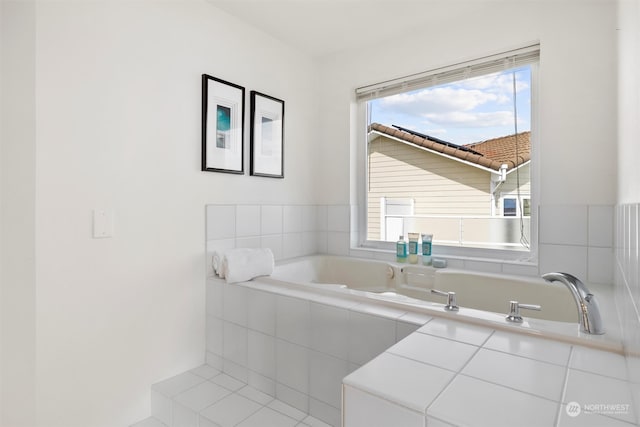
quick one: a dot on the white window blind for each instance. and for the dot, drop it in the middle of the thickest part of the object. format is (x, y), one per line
(464, 70)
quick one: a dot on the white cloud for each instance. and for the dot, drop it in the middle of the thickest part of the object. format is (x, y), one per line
(438, 100)
(471, 119)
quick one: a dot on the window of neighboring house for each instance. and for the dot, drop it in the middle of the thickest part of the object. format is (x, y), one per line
(452, 141)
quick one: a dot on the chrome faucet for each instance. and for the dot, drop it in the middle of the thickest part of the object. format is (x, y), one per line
(588, 311)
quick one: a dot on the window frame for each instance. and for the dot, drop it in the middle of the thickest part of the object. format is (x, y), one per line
(360, 240)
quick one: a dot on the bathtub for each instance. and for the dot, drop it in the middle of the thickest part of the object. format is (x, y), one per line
(483, 298)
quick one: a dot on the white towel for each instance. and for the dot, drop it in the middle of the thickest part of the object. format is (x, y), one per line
(216, 263)
(242, 264)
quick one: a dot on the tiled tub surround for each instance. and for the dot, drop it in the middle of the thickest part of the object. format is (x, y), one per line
(297, 345)
(454, 374)
(627, 287)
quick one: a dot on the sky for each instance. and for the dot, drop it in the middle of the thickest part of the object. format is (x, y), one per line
(463, 112)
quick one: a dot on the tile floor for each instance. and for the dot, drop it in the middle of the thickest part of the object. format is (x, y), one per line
(205, 397)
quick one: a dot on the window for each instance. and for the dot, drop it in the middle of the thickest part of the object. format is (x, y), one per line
(452, 141)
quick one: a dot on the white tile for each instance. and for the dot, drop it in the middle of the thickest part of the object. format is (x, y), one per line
(322, 242)
(271, 222)
(273, 242)
(482, 266)
(247, 220)
(468, 401)
(261, 311)
(309, 218)
(441, 352)
(586, 389)
(183, 416)
(221, 222)
(404, 329)
(531, 347)
(235, 370)
(330, 330)
(462, 332)
(255, 395)
(235, 343)
(293, 318)
(598, 362)
(199, 397)
(601, 226)
(365, 410)
(177, 384)
(205, 371)
(411, 384)
(292, 219)
(288, 410)
(219, 245)
(214, 298)
(527, 375)
(516, 269)
(292, 245)
(324, 412)
(161, 407)
(369, 336)
(249, 242)
(600, 265)
(567, 259)
(338, 217)
(292, 365)
(587, 419)
(262, 354)
(214, 360)
(291, 397)
(231, 410)
(338, 243)
(262, 383)
(379, 310)
(228, 382)
(322, 217)
(215, 335)
(267, 417)
(325, 378)
(419, 319)
(309, 242)
(235, 304)
(563, 224)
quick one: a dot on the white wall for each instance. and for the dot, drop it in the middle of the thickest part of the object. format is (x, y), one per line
(117, 126)
(628, 102)
(577, 87)
(17, 210)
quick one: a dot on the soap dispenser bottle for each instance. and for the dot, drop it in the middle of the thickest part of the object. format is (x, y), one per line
(401, 249)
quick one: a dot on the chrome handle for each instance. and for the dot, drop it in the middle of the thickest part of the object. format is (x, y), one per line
(452, 304)
(514, 310)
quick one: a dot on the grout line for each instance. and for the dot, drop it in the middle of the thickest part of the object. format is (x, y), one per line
(564, 388)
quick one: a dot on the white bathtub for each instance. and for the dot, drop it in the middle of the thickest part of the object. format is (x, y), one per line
(483, 297)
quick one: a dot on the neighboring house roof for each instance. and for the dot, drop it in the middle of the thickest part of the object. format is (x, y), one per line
(491, 154)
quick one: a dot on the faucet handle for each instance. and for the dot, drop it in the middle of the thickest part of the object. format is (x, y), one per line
(452, 304)
(514, 310)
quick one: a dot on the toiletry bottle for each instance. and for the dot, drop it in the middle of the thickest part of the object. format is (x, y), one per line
(401, 250)
(413, 247)
(426, 248)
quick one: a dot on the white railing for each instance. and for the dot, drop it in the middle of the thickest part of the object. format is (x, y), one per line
(472, 231)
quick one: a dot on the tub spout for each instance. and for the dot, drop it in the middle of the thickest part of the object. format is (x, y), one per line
(586, 302)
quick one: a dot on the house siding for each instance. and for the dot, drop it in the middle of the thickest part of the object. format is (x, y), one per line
(438, 185)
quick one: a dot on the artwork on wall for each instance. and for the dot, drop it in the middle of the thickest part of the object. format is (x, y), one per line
(222, 126)
(267, 135)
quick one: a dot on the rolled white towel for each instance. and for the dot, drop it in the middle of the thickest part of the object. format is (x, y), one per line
(242, 264)
(216, 263)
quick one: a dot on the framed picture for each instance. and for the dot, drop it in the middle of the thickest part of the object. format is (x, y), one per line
(222, 126)
(267, 135)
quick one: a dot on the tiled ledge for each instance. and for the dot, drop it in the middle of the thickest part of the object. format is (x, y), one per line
(206, 397)
(449, 373)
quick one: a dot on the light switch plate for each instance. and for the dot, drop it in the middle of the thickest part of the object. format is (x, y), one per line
(102, 223)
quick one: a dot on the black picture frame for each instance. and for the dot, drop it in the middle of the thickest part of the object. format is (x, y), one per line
(222, 126)
(267, 135)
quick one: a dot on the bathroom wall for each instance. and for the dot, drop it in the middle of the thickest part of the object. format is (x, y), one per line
(576, 119)
(115, 125)
(17, 210)
(627, 239)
